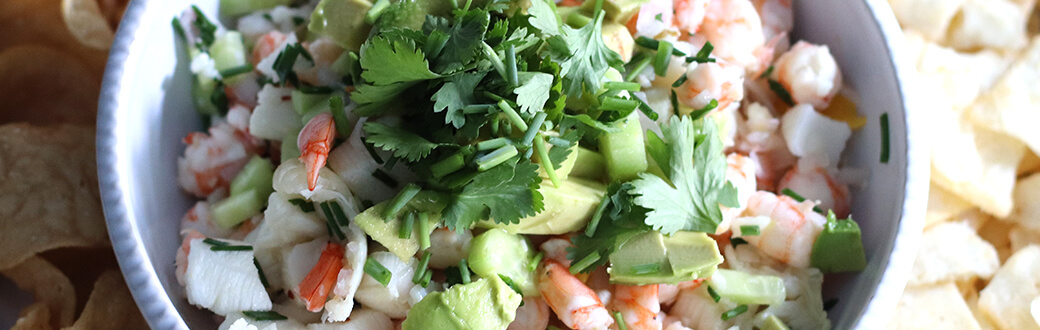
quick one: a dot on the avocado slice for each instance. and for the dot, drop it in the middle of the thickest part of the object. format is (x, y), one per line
(411, 14)
(619, 11)
(654, 258)
(497, 252)
(343, 21)
(839, 248)
(589, 165)
(386, 232)
(488, 303)
(567, 208)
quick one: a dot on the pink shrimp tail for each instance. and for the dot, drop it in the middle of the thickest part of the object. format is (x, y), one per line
(315, 141)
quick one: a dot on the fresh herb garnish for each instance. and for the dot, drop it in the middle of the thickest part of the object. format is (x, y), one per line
(734, 312)
(304, 205)
(750, 230)
(377, 271)
(264, 315)
(260, 272)
(781, 92)
(885, 138)
(714, 295)
(620, 319)
(798, 198)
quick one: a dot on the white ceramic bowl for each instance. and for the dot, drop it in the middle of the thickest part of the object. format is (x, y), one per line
(145, 111)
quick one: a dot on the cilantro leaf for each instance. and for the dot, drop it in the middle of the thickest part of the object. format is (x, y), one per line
(505, 193)
(455, 95)
(464, 41)
(402, 143)
(543, 17)
(373, 99)
(533, 91)
(622, 219)
(697, 167)
(583, 69)
(389, 60)
(559, 153)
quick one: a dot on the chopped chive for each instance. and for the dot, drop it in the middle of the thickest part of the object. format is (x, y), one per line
(536, 125)
(714, 295)
(734, 312)
(680, 81)
(476, 108)
(407, 227)
(384, 177)
(767, 73)
(736, 241)
(558, 142)
(339, 116)
(264, 315)
(659, 18)
(372, 152)
(426, 278)
(234, 71)
(531, 266)
(663, 58)
(649, 112)
(699, 113)
(399, 201)
(377, 271)
(511, 75)
(297, 21)
(620, 319)
(179, 29)
(421, 270)
(330, 218)
(214, 242)
(750, 230)
(638, 68)
(496, 157)
(646, 269)
(690, 59)
(334, 230)
(596, 217)
(496, 61)
(389, 165)
(508, 280)
(424, 231)
(260, 272)
(652, 44)
(377, 9)
(781, 92)
(337, 210)
(675, 101)
(585, 262)
(622, 85)
(513, 116)
(618, 104)
(463, 270)
(543, 155)
(798, 198)
(231, 248)
(705, 51)
(448, 165)
(308, 89)
(884, 138)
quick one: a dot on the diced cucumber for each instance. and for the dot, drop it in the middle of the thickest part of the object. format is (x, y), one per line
(255, 176)
(624, 151)
(228, 51)
(233, 210)
(589, 165)
(305, 103)
(202, 90)
(234, 8)
(744, 288)
(498, 252)
(773, 323)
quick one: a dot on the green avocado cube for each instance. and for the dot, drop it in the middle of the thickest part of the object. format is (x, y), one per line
(371, 221)
(839, 248)
(488, 303)
(651, 258)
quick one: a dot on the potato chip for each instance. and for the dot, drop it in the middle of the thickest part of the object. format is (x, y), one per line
(943, 205)
(1013, 104)
(984, 322)
(996, 232)
(110, 306)
(981, 24)
(1027, 209)
(930, 307)
(956, 77)
(46, 87)
(974, 163)
(1034, 308)
(39, 22)
(35, 317)
(1007, 298)
(87, 23)
(1020, 238)
(1030, 164)
(952, 252)
(930, 18)
(50, 197)
(48, 285)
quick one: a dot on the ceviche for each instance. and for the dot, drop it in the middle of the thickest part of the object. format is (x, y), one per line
(520, 164)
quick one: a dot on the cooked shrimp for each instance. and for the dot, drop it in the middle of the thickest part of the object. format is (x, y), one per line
(448, 247)
(315, 141)
(740, 171)
(315, 288)
(182, 253)
(639, 305)
(721, 81)
(689, 14)
(575, 304)
(759, 137)
(267, 45)
(533, 314)
(556, 249)
(810, 74)
(212, 160)
(777, 21)
(324, 51)
(735, 29)
(791, 231)
(817, 183)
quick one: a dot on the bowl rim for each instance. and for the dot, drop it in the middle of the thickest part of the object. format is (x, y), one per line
(160, 312)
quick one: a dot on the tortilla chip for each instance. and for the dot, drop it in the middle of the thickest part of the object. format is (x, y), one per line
(1027, 203)
(996, 232)
(83, 266)
(87, 23)
(1019, 238)
(48, 285)
(1013, 104)
(1007, 298)
(1030, 163)
(974, 163)
(952, 252)
(937, 306)
(47, 86)
(40, 22)
(35, 317)
(943, 205)
(50, 198)
(110, 306)
(955, 77)
(999, 24)
(930, 18)
(984, 322)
